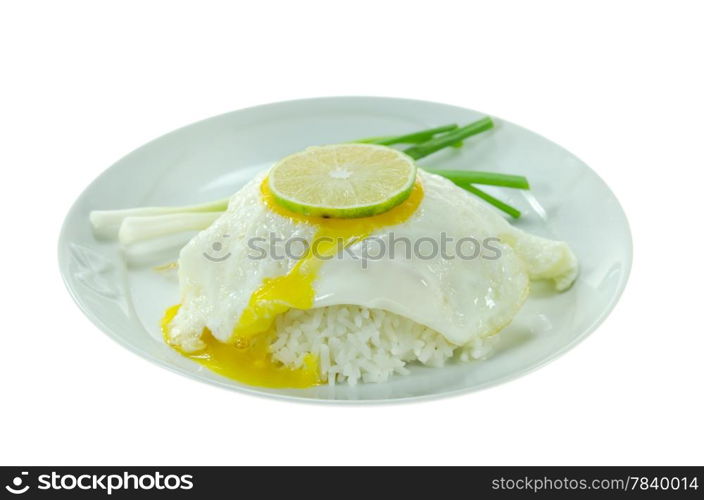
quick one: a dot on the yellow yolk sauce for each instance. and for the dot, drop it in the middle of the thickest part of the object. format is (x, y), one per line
(246, 357)
(252, 366)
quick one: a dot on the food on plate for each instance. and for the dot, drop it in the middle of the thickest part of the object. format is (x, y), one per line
(347, 263)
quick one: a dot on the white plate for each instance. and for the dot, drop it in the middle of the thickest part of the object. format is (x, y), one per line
(213, 158)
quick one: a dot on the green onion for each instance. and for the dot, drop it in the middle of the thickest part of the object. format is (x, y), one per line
(373, 140)
(488, 178)
(412, 138)
(505, 207)
(134, 229)
(426, 148)
(107, 222)
(417, 137)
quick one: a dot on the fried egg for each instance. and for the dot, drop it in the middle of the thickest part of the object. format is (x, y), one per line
(442, 258)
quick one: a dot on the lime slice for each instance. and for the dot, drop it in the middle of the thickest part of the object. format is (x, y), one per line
(343, 180)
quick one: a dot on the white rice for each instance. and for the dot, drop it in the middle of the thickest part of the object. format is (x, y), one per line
(356, 344)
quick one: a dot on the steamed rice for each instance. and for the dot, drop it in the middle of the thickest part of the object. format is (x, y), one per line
(358, 344)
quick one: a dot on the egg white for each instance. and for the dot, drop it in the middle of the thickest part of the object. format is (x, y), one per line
(462, 299)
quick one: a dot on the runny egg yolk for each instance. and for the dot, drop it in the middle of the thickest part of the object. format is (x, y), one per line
(246, 357)
(252, 366)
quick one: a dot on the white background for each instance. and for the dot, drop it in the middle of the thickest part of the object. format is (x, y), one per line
(617, 83)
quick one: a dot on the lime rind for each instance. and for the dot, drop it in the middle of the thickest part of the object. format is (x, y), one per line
(344, 213)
